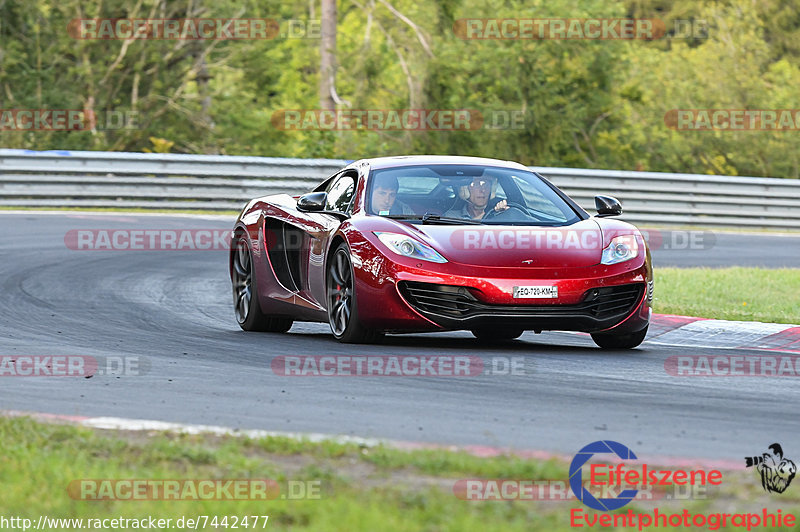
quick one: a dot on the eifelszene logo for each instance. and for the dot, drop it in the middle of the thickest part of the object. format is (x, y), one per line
(621, 476)
(776, 471)
(576, 478)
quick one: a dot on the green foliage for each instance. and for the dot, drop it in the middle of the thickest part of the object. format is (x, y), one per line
(579, 103)
(745, 294)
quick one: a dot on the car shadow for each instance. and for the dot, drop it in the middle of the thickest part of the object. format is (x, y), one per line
(528, 344)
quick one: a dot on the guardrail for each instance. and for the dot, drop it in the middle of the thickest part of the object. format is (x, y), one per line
(218, 182)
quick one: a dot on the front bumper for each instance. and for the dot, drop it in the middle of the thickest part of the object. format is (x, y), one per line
(398, 297)
(457, 307)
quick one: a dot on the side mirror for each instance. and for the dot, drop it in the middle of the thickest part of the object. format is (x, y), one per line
(607, 206)
(312, 202)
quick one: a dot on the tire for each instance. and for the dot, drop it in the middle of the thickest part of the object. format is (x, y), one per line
(497, 334)
(245, 301)
(619, 341)
(341, 300)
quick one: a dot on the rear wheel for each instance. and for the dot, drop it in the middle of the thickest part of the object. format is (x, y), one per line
(245, 298)
(619, 341)
(342, 307)
(497, 334)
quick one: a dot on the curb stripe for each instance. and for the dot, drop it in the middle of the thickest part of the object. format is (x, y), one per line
(480, 451)
(708, 333)
(787, 340)
(664, 323)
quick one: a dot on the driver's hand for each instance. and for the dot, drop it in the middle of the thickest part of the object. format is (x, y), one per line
(501, 206)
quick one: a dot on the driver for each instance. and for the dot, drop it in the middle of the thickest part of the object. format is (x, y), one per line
(479, 193)
(384, 196)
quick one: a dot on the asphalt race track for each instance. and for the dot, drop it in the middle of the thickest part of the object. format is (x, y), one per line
(173, 310)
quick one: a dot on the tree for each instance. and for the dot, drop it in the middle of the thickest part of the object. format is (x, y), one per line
(327, 56)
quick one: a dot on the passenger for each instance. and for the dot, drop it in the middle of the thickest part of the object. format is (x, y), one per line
(384, 196)
(478, 193)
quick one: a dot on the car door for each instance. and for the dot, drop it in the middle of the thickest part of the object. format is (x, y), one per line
(319, 228)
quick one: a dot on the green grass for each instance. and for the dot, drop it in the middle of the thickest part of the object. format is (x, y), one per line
(375, 488)
(748, 294)
(438, 462)
(362, 488)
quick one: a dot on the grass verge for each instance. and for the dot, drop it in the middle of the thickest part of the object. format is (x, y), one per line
(375, 488)
(747, 294)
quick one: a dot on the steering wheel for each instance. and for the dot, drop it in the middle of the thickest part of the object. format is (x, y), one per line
(511, 205)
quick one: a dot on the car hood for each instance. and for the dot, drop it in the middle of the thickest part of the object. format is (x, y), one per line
(577, 245)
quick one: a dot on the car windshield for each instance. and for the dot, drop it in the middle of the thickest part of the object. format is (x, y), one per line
(440, 193)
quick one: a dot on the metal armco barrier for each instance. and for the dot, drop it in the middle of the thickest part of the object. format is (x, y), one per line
(219, 182)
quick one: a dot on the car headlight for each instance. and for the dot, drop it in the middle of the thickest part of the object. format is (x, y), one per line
(409, 247)
(620, 249)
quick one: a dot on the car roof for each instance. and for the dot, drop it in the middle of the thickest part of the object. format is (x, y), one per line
(413, 160)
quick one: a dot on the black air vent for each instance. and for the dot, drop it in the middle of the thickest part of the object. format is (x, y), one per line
(458, 302)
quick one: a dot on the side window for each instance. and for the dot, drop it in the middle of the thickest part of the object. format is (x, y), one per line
(340, 193)
(536, 200)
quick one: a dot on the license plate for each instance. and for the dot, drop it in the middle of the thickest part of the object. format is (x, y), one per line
(535, 292)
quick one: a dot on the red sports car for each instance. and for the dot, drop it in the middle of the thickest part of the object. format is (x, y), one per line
(434, 243)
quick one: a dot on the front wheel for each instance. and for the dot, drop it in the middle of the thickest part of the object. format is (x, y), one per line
(342, 307)
(619, 341)
(245, 294)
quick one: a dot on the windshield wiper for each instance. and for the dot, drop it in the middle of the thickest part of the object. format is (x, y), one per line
(429, 218)
(402, 216)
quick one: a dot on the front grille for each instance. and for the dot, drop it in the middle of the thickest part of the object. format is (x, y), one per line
(458, 302)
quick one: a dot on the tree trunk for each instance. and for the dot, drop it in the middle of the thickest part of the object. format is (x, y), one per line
(327, 55)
